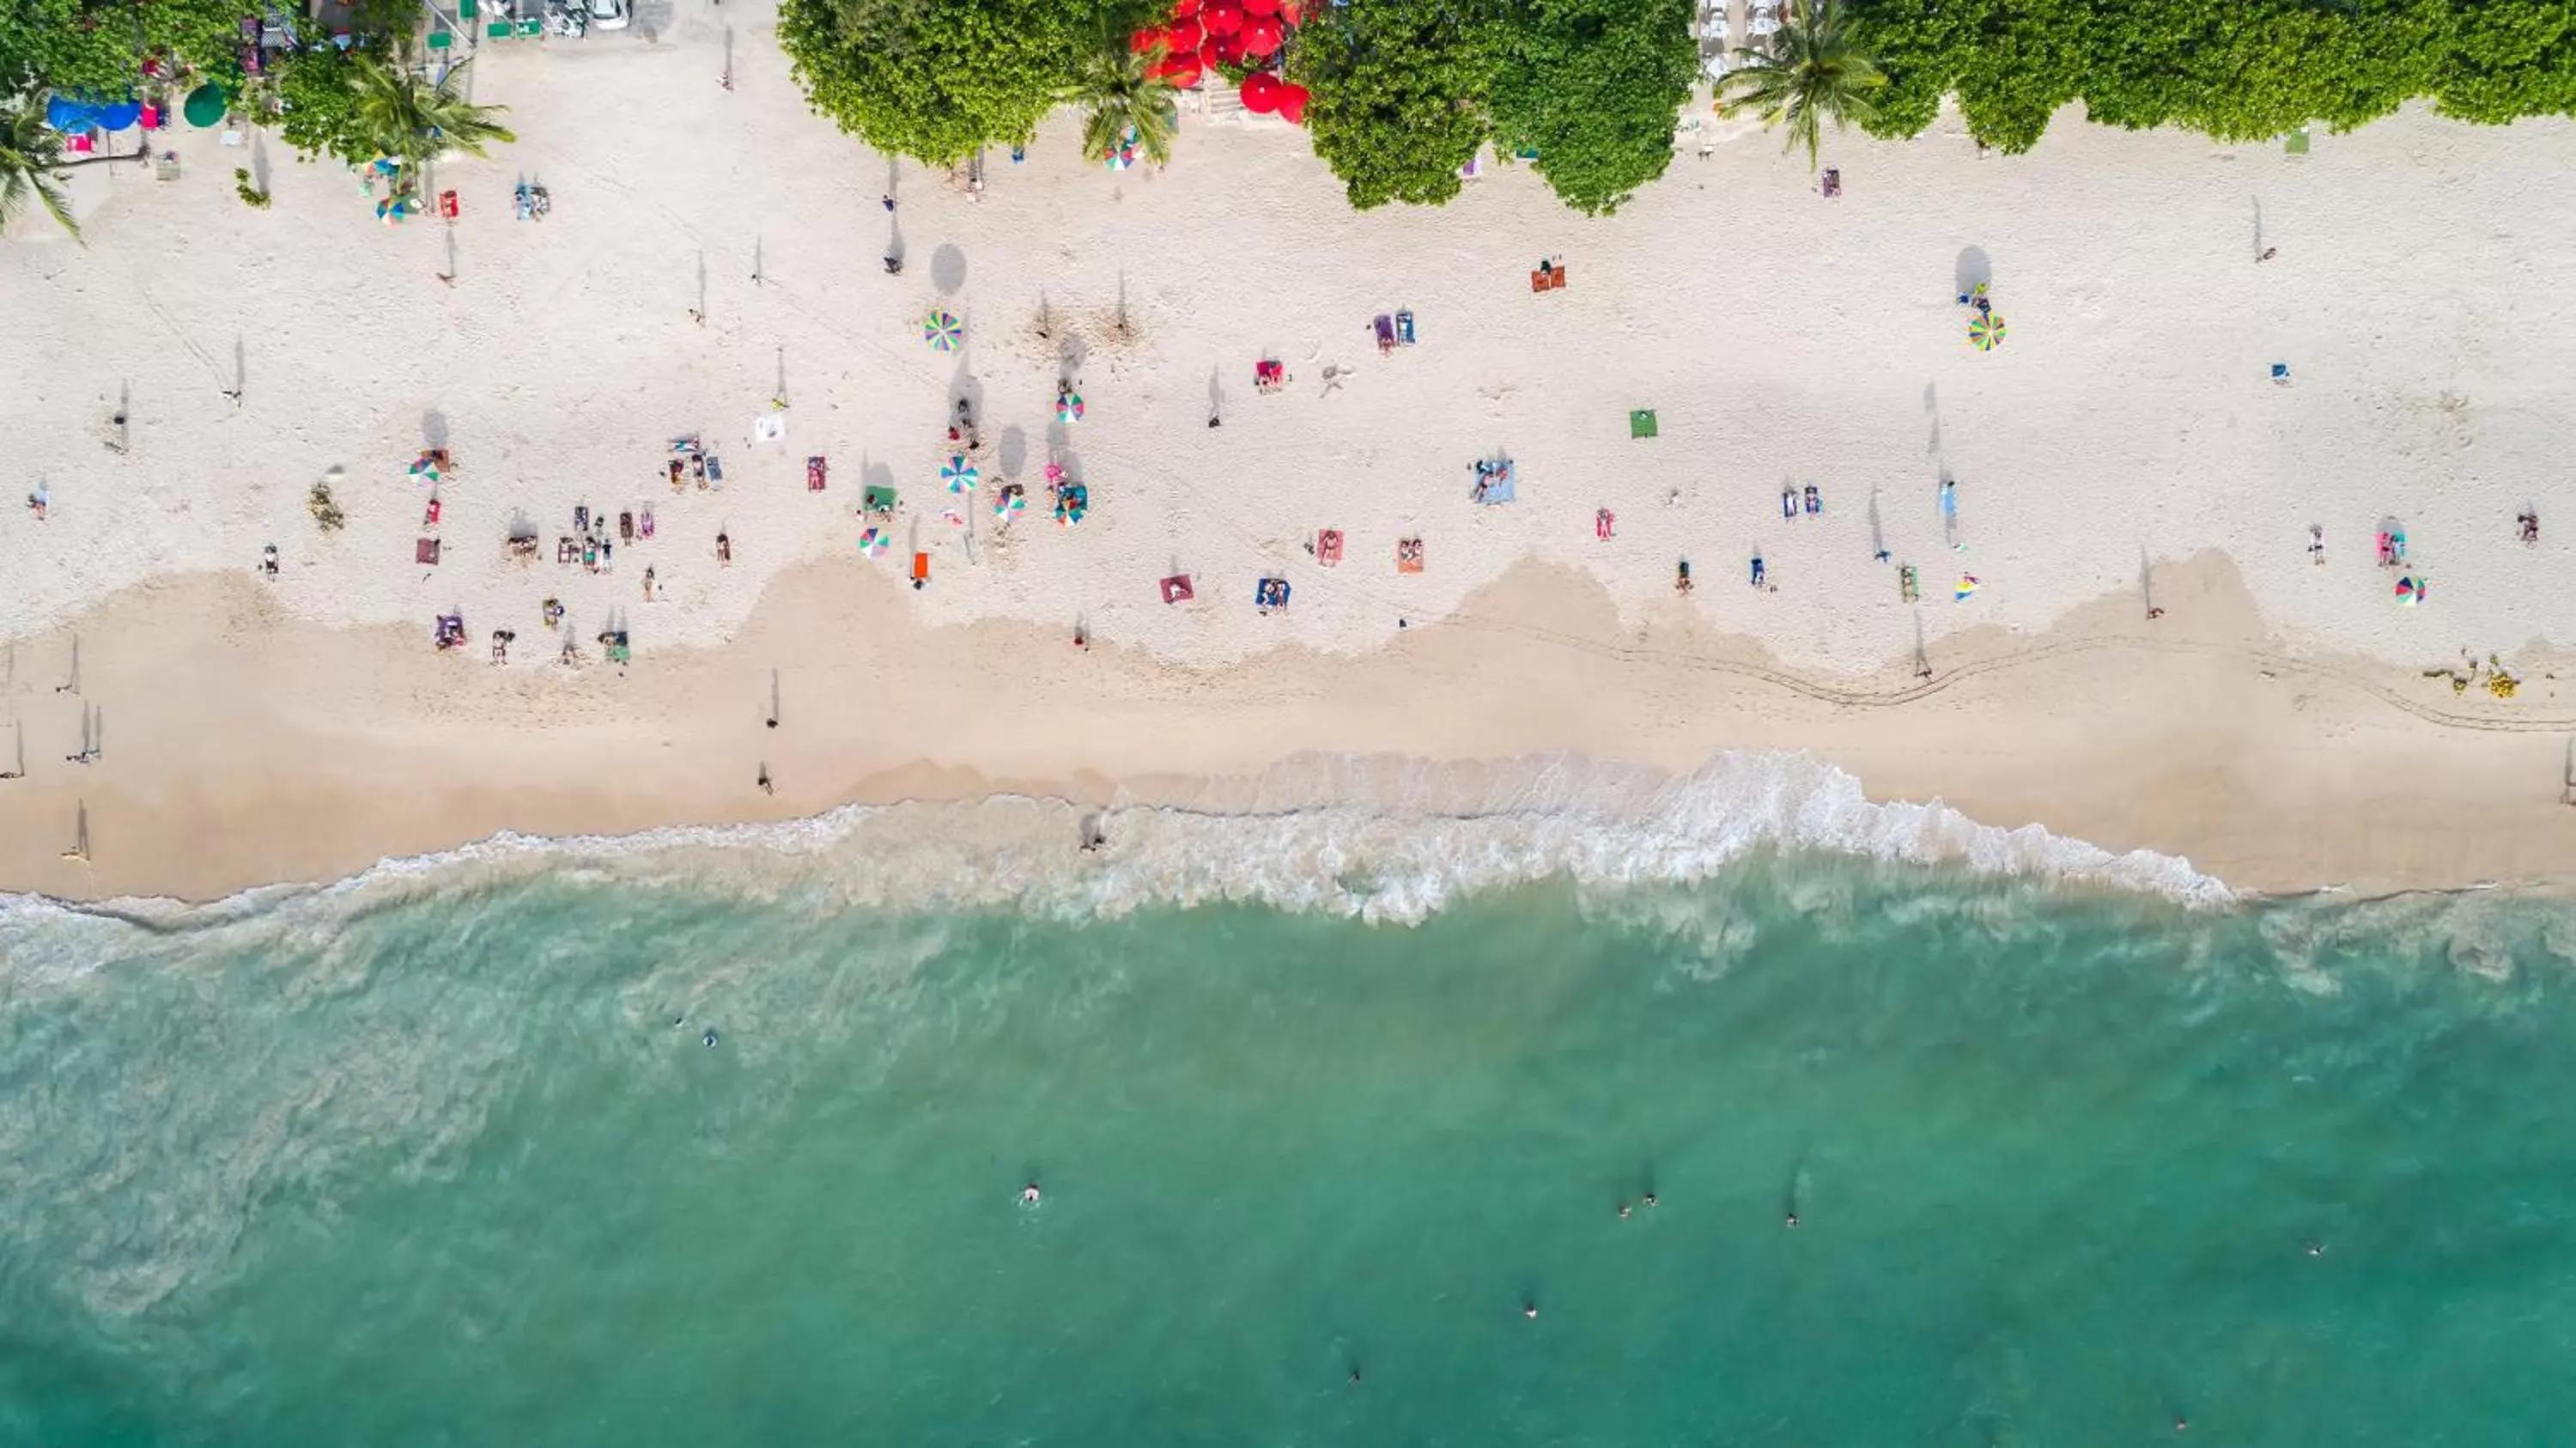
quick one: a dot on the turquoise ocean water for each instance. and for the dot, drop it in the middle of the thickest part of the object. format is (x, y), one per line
(428, 1161)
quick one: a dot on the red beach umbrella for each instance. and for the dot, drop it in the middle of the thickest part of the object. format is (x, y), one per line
(1210, 52)
(1184, 35)
(1144, 40)
(1182, 72)
(1261, 35)
(1261, 93)
(1260, 7)
(1292, 103)
(1183, 9)
(1226, 49)
(1222, 19)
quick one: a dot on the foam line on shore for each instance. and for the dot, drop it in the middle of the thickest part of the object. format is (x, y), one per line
(1380, 838)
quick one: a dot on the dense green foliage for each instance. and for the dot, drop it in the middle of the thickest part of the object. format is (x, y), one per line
(30, 158)
(69, 46)
(939, 80)
(2239, 70)
(1399, 90)
(1593, 87)
(317, 92)
(1120, 97)
(1812, 72)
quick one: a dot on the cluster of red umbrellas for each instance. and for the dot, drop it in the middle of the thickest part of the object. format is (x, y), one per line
(1204, 34)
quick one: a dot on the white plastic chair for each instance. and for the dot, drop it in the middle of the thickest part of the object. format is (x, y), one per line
(1763, 24)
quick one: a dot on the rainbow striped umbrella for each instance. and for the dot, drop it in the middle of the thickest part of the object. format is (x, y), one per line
(1986, 330)
(959, 474)
(943, 331)
(874, 541)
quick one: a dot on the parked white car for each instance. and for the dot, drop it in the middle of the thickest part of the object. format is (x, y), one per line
(608, 14)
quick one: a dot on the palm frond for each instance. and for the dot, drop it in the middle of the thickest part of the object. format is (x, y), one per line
(1814, 71)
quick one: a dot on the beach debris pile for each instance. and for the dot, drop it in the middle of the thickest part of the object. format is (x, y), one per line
(2490, 675)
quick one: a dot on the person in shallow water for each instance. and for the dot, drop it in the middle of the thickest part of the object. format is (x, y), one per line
(1029, 1194)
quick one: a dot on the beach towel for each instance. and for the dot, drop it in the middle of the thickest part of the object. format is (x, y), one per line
(1176, 589)
(1328, 547)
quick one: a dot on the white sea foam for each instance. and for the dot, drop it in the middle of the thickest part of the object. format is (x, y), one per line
(1380, 838)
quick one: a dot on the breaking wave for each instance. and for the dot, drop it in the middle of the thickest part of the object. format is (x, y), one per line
(1380, 838)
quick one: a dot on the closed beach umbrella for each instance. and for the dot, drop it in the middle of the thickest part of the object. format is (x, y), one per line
(1222, 19)
(943, 331)
(1261, 35)
(1261, 92)
(959, 474)
(1987, 331)
(1292, 102)
(206, 105)
(873, 542)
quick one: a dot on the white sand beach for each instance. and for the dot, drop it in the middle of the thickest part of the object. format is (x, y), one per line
(2126, 448)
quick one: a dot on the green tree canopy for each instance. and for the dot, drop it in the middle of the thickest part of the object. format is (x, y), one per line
(1397, 94)
(2239, 70)
(938, 80)
(1594, 86)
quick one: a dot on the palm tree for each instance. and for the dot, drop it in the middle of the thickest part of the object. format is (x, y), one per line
(1118, 94)
(410, 120)
(1815, 71)
(31, 162)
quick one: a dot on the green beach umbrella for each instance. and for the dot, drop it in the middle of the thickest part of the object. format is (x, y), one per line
(206, 105)
(1987, 331)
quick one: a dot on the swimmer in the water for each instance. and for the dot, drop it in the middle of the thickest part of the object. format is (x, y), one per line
(710, 1036)
(1650, 1199)
(2316, 1249)
(1793, 1219)
(1530, 1311)
(1355, 1377)
(1623, 1211)
(2181, 1424)
(1029, 1194)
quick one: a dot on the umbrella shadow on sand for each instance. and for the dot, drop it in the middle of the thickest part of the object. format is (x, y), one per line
(1974, 271)
(948, 268)
(1014, 453)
